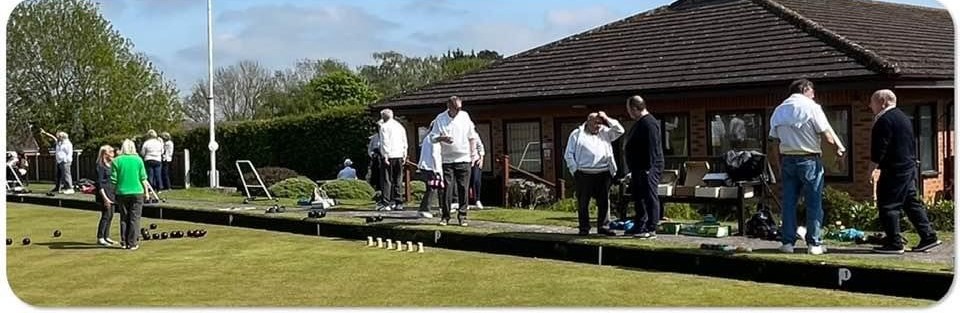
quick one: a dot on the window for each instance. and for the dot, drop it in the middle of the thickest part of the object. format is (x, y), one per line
(924, 128)
(735, 131)
(675, 130)
(483, 129)
(839, 118)
(523, 145)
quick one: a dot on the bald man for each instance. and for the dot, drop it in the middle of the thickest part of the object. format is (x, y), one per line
(893, 152)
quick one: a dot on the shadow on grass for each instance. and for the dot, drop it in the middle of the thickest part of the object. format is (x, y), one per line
(830, 250)
(73, 245)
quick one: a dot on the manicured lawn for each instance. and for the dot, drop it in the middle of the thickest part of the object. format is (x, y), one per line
(242, 267)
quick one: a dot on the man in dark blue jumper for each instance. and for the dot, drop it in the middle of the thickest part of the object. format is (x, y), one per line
(644, 158)
(893, 151)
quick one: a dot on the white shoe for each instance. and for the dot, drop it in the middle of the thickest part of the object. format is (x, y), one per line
(102, 242)
(425, 214)
(133, 248)
(479, 205)
(786, 248)
(68, 192)
(817, 250)
(110, 241)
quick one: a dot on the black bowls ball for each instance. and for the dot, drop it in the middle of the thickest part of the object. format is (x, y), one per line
(9, 241)
(155, 236)
(26, 241)
(57, 233)
(164, 235)
(153, 226)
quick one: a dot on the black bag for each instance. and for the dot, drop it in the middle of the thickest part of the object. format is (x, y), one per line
(762, 225)
(744, 165)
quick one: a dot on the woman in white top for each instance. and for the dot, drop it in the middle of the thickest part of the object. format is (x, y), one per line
(152, 151)
(167, 159)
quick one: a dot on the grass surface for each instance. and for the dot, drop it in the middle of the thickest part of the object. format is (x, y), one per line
(240, 267)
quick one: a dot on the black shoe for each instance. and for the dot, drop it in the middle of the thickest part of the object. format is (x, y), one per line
(607, 232)
(462, 218)
(583, 233)
(926, 245)
(888, 249)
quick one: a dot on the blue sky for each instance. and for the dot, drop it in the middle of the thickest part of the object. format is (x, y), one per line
(278, 32)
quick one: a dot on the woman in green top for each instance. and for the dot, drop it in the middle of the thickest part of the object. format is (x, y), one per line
(129, 178)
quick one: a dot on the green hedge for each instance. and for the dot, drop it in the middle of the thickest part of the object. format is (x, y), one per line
(312, 145)
(348, 189)
(294, 188)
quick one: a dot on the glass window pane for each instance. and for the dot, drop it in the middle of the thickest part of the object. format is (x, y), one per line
(735, 131)
(674, 135)
(484, 131)
(523, 146)
(840, 121)
(928, 147)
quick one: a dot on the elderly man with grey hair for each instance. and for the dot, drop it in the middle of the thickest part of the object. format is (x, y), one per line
(589, 158)
(393, 152)
(348, 172)
(64, 157)
(893, 150)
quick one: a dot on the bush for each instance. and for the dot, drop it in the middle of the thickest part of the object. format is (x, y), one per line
(348, 189)
(840, 206)
(529, 194)
(294, 188)
(271, 175)
(681, 211)
(417, 190)
(570, 205)
(941, 215)
(313, 145)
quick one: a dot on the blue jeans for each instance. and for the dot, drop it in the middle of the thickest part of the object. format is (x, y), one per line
(802, 174)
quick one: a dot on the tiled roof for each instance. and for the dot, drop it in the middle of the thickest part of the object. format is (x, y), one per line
(698, 43)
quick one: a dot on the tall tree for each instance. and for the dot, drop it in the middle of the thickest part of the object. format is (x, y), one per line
(239, 92)
(288, 92)
(396, 73)
(68, 69)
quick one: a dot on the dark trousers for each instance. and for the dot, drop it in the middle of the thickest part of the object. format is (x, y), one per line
(896, 191)
(391, 175)
(106, 218)
(457, 176)
(596, 186)
(130, 207)
(165, 176)
(376, 162)
(475, 183)
(153, 173)
(647, 203)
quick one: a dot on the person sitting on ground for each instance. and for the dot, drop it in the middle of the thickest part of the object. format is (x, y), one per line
(347, 173)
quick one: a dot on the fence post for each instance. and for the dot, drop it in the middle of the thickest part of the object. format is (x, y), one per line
(505, 167)
(561, 189)
(186, 168)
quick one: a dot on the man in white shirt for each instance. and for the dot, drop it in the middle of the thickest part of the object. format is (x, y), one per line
(799, 124)
(589, 158)
(393, 153)
(64, 157)
(347, 173)
(454, 130)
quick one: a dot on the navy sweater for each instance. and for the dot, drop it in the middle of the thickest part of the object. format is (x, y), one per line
(644, 150)
(892, 145)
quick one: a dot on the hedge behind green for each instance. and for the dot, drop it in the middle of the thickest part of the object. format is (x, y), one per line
(353, 189)
(312, 145)
(294, 188)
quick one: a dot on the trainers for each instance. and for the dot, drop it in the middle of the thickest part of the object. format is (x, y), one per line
(462, 219)
(425, 214)
(383, 207)
(444, 222)
(646, 235)
(102, 242)
(133, 248)
(816, 250)
(888, 249)
(926, 245)
(479, 205)
(123, 247)
(68, 192)
(110, 241)
(786, 248)
(397, 207)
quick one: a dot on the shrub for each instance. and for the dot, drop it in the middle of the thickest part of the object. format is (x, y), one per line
(348, 189)
(295, 188)
(681, 211)
(529, 194)
(417, 190)
(313, 145)
(570, 205)
(270, 177)
(840, 206)
(941, 215)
